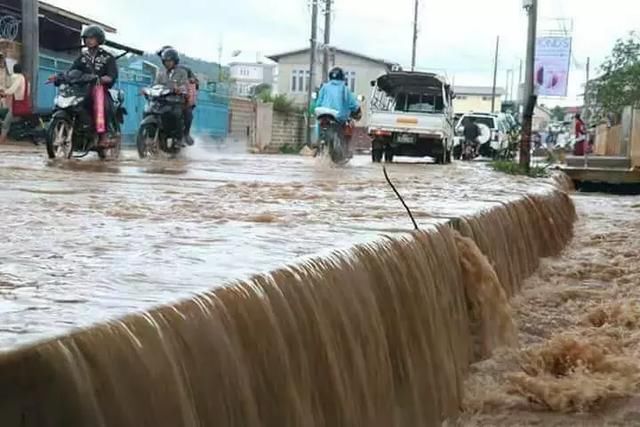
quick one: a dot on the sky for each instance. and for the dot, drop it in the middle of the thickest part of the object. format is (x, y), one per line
(457, 37)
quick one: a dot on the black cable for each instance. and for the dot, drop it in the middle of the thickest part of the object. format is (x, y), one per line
(393, 187)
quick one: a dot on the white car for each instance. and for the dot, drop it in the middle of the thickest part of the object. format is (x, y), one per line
(494, 133)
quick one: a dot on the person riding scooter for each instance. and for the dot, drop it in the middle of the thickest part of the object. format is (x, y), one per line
(194, 86)
(335, 95)
(175, 78)
(95, 60)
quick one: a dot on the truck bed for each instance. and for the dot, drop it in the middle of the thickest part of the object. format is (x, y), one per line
(428, 124)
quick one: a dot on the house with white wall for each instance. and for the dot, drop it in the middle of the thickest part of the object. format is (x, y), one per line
(247, 75)
(294, 71)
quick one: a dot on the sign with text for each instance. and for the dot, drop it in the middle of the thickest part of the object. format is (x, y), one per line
(553, 61)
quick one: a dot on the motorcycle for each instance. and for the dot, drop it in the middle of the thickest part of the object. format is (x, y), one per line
(334, 136)
(160, 129)
(71, 128)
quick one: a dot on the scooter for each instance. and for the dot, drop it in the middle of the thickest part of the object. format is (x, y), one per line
(71, 132)
(160, 129)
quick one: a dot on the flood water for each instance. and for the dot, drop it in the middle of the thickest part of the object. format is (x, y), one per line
(86, 241)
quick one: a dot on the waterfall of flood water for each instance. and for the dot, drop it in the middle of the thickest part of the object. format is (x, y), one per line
(380, 335)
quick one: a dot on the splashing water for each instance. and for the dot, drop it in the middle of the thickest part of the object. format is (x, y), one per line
(381, 334)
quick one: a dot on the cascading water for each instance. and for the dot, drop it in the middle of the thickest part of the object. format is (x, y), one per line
(380, 335)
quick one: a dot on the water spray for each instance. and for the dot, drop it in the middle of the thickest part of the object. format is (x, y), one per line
(393, 187)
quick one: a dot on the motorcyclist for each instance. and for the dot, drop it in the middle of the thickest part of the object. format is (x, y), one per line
(95, 60)
(335, 95)
(194, 86)
(177, 79)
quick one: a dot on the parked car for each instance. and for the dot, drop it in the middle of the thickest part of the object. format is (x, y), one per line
(494, 133)
(411, 114)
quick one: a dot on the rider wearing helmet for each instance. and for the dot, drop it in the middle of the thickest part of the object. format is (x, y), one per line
(95, 60)
(194, 86)
(336, 95)
(175, 78)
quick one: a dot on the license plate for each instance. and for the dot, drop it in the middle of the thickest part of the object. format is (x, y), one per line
(406, 138)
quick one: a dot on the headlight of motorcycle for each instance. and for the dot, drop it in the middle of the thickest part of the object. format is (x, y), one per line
(65, 102)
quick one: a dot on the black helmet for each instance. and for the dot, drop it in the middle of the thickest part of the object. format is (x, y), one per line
(94, 31)
(336, 73)
(162, 49)
(170, 54)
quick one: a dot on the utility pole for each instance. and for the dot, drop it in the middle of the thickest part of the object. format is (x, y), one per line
(31, 44)
(312, 64)
(586, 111)
(529, 89)
(495, 76)
(415, 36)
(327, 40)
(519, 95)
(507, 87)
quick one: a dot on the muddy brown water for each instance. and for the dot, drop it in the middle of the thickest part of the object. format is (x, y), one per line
(86, 241)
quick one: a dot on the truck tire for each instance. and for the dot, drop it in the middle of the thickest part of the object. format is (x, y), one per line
(376, 155)
(388, 154)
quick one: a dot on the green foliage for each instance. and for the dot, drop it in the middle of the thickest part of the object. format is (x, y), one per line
(557, 113)
(619, 85)
(281, 103)
(209, 69)
(513, 168)
(290, 149)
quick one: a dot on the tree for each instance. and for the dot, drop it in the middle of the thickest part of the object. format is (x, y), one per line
(557, 113)
(619, 84)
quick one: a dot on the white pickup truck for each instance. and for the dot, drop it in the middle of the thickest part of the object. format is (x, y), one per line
(411, 114)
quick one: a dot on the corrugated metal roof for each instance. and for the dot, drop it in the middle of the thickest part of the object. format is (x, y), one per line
(71, 15)
(276, 58)
(477, 90)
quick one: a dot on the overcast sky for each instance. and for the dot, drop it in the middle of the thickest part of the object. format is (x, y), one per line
(456, 36)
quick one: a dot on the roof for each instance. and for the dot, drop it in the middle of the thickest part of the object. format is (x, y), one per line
(74, 16)
(477, 90)
(251, 64)
(405, 81)
(278, 57)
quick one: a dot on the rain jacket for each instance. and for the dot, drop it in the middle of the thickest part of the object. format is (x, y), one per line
(336, 95)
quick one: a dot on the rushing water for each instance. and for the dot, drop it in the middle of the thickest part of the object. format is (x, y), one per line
(86, 241)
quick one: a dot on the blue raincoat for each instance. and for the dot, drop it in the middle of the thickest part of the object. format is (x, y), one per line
(336, 95)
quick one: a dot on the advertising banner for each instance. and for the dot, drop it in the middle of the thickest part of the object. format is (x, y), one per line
(553, 61)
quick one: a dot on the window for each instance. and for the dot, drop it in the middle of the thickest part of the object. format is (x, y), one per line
(351, 80)
(486, 98)
(300, 80)
(461, 97)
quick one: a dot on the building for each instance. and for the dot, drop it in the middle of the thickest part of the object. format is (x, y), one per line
(247, 75)
(476, 99)
(542, 117)
(293, 71)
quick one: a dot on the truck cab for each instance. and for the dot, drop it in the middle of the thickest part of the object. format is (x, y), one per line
(411, 115)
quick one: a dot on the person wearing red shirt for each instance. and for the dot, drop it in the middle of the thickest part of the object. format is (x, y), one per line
(581, 147)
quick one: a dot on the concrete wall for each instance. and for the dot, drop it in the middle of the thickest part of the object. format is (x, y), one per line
(288, 129)
(476, 103)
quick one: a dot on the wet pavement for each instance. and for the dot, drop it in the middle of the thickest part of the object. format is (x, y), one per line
(86, 241)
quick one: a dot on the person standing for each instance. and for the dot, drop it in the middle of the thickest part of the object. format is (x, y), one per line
(580, 148)
(17, 99)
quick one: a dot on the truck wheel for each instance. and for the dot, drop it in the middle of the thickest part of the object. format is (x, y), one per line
(388, 155)
(457, 152)
(376, 155)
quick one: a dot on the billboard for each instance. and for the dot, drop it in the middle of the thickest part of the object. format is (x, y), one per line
(553, 60)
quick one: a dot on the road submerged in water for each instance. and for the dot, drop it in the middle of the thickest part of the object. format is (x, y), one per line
(86, 241)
